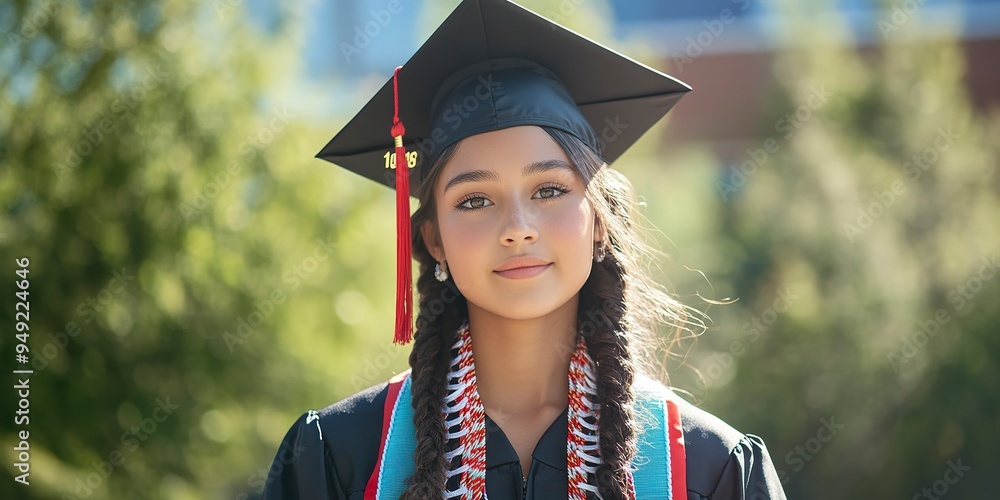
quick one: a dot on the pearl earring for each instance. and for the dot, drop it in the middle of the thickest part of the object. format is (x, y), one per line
(599, 252)
(441, 274)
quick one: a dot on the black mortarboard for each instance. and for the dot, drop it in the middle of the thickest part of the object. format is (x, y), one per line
(491, 65)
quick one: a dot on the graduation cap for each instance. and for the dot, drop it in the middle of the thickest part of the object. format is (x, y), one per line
(492, 65)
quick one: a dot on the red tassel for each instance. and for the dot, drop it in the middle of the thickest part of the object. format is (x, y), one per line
(404, 276)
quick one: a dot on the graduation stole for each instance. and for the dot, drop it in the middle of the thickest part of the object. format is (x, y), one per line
(658, 469)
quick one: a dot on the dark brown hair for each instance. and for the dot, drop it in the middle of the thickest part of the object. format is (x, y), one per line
(620, 311)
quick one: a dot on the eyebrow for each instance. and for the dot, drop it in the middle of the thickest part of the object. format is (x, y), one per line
(491, 175)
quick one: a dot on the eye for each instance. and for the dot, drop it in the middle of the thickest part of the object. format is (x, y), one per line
(552, 191)
(473, 202)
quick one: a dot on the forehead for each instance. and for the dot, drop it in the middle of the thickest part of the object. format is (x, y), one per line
(506, 151)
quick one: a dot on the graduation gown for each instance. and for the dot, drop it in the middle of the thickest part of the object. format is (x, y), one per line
(330, 454)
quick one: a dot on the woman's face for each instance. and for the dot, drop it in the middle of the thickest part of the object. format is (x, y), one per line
(512, 194)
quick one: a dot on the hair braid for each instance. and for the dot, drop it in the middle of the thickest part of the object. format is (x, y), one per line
(602, 316)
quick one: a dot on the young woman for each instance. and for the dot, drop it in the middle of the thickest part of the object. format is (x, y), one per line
(529, 375)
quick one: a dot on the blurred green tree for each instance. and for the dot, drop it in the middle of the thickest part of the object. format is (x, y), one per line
(196, 279)
(860, 237)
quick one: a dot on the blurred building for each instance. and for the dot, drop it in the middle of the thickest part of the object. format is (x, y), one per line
(709, 44)
(713, 43)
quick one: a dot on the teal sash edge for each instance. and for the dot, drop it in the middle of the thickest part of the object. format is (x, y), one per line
(401, 443)
(651, 467)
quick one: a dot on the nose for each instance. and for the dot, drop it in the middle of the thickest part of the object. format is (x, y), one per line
(519, 227)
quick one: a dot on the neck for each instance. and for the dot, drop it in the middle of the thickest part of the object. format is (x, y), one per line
(522, 365)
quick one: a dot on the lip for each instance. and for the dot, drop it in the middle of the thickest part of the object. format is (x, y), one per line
(522, 267)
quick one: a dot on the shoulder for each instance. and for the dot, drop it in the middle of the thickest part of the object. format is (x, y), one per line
(331, 451)
(352, 431)
(709, 443)
(713, 438)
(358, 409)
(722, 462)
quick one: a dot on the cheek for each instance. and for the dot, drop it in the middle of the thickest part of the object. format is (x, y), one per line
(465, 240)
(465, 248)
(573, 222)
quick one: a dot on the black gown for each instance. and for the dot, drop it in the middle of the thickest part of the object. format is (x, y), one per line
(333, 456)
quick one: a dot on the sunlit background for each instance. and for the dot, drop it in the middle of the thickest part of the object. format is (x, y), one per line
(197, 279)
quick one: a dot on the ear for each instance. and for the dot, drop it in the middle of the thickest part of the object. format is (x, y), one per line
(598, 230)
(433, 240)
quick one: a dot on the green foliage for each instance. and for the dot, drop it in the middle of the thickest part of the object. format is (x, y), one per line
(184, 248)
(863, 252)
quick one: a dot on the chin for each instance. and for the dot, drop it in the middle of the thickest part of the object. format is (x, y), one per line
(523, 307)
